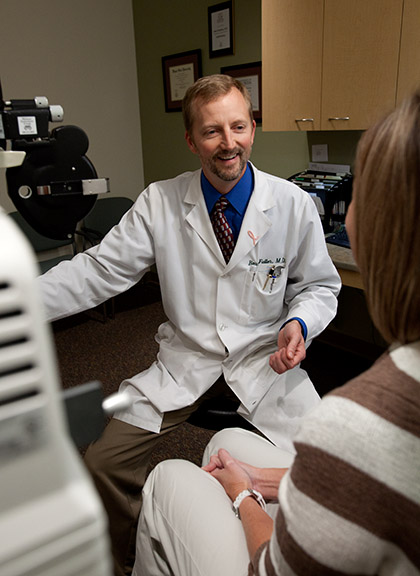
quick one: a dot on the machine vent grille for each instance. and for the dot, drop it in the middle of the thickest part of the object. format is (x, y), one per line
(15, 354)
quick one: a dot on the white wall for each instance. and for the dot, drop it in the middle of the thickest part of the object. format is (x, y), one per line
(79, 54)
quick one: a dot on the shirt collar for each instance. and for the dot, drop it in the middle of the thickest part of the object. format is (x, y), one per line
(238, 196)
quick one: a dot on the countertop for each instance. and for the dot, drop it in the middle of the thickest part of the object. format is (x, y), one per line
(346, 266)
(342, 257)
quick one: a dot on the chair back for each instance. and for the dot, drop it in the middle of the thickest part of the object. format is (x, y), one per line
(105, 214)
(39, 242)
(42, 244)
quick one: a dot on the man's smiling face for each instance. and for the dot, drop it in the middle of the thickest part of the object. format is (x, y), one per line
(222, 136)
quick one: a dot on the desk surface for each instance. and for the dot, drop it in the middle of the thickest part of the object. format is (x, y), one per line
(346, 266)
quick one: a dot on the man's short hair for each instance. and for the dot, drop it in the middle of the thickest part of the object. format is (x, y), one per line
(210, 88)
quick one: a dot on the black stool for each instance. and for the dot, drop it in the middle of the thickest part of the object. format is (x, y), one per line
(218, 413)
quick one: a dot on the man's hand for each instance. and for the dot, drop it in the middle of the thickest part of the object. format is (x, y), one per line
(291, 348)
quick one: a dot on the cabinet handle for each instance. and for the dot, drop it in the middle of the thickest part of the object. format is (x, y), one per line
(304, 120)
(340, 118)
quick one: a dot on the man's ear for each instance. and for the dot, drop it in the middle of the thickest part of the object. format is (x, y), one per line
(190, 143)
(254, 125)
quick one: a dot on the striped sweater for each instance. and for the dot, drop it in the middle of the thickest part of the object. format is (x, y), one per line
(350, 504)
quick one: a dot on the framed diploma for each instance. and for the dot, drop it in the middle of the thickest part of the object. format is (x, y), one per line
(220, 18)
(179, 72)
(250, 75)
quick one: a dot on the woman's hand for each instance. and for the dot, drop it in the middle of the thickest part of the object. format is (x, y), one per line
(228, 471)
(257, 524)
(264, 480)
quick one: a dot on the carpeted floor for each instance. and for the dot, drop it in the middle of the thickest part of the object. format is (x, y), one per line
(89, 348)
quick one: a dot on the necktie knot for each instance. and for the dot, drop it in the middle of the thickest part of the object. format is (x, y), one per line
(221, 204)
(222, 228)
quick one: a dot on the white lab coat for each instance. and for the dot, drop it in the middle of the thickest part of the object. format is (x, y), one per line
(221, 318)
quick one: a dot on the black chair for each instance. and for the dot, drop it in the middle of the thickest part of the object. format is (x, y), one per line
(41, 244)
(105, 214)
(218, 413)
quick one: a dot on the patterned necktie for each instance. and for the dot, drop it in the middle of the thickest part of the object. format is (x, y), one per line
(222, 229)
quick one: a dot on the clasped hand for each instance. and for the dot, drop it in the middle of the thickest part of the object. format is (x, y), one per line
(236, 476)
(233, 475)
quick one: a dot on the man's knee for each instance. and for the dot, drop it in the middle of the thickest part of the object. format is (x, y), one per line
(108, 451)
(94, 460)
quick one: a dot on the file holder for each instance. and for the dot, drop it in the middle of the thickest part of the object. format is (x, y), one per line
(333, 190)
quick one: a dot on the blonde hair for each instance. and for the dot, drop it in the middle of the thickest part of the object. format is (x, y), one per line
(386, 195)
(210, 88)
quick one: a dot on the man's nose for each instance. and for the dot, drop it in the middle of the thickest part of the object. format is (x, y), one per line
(227, 139)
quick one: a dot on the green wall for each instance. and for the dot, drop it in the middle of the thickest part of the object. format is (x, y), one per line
(164, 27)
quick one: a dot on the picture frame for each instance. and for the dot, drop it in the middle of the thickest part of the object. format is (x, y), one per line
(221, 31)
(180, 71)
(250, 75)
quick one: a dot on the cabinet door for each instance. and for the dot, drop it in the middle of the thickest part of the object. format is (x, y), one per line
(409, 70)
(291, 64)
(361, 51)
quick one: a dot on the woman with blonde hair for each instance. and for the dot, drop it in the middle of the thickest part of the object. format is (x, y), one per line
(350, 501)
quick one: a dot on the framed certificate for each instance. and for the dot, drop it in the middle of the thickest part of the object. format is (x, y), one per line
(250, 75)
(179, 72)
(220, 21)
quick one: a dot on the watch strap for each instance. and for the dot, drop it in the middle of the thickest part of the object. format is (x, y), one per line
(257, 496)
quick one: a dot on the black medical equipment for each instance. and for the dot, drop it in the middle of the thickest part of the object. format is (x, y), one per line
(56, 185)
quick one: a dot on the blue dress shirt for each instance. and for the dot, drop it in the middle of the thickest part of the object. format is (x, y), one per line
(238, 199)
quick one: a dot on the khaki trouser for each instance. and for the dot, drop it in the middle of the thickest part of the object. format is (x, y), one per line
(118, 462)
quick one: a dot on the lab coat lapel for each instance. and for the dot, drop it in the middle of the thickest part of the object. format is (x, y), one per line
(256, 222)
(197, 216)
(254, 226)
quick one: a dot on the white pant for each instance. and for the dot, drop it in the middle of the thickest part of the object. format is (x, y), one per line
(187, 526)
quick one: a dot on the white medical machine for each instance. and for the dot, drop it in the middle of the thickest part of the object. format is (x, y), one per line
(52, 522)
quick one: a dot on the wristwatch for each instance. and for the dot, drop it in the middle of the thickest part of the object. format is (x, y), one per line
(244, 494)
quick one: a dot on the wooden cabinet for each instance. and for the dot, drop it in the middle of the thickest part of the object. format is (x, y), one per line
(409, 69)
(329, 64)
(292, 64)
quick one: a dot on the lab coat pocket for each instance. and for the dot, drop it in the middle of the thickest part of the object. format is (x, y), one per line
(263, 293)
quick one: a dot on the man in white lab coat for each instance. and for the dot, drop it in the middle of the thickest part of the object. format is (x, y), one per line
(239, 325)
